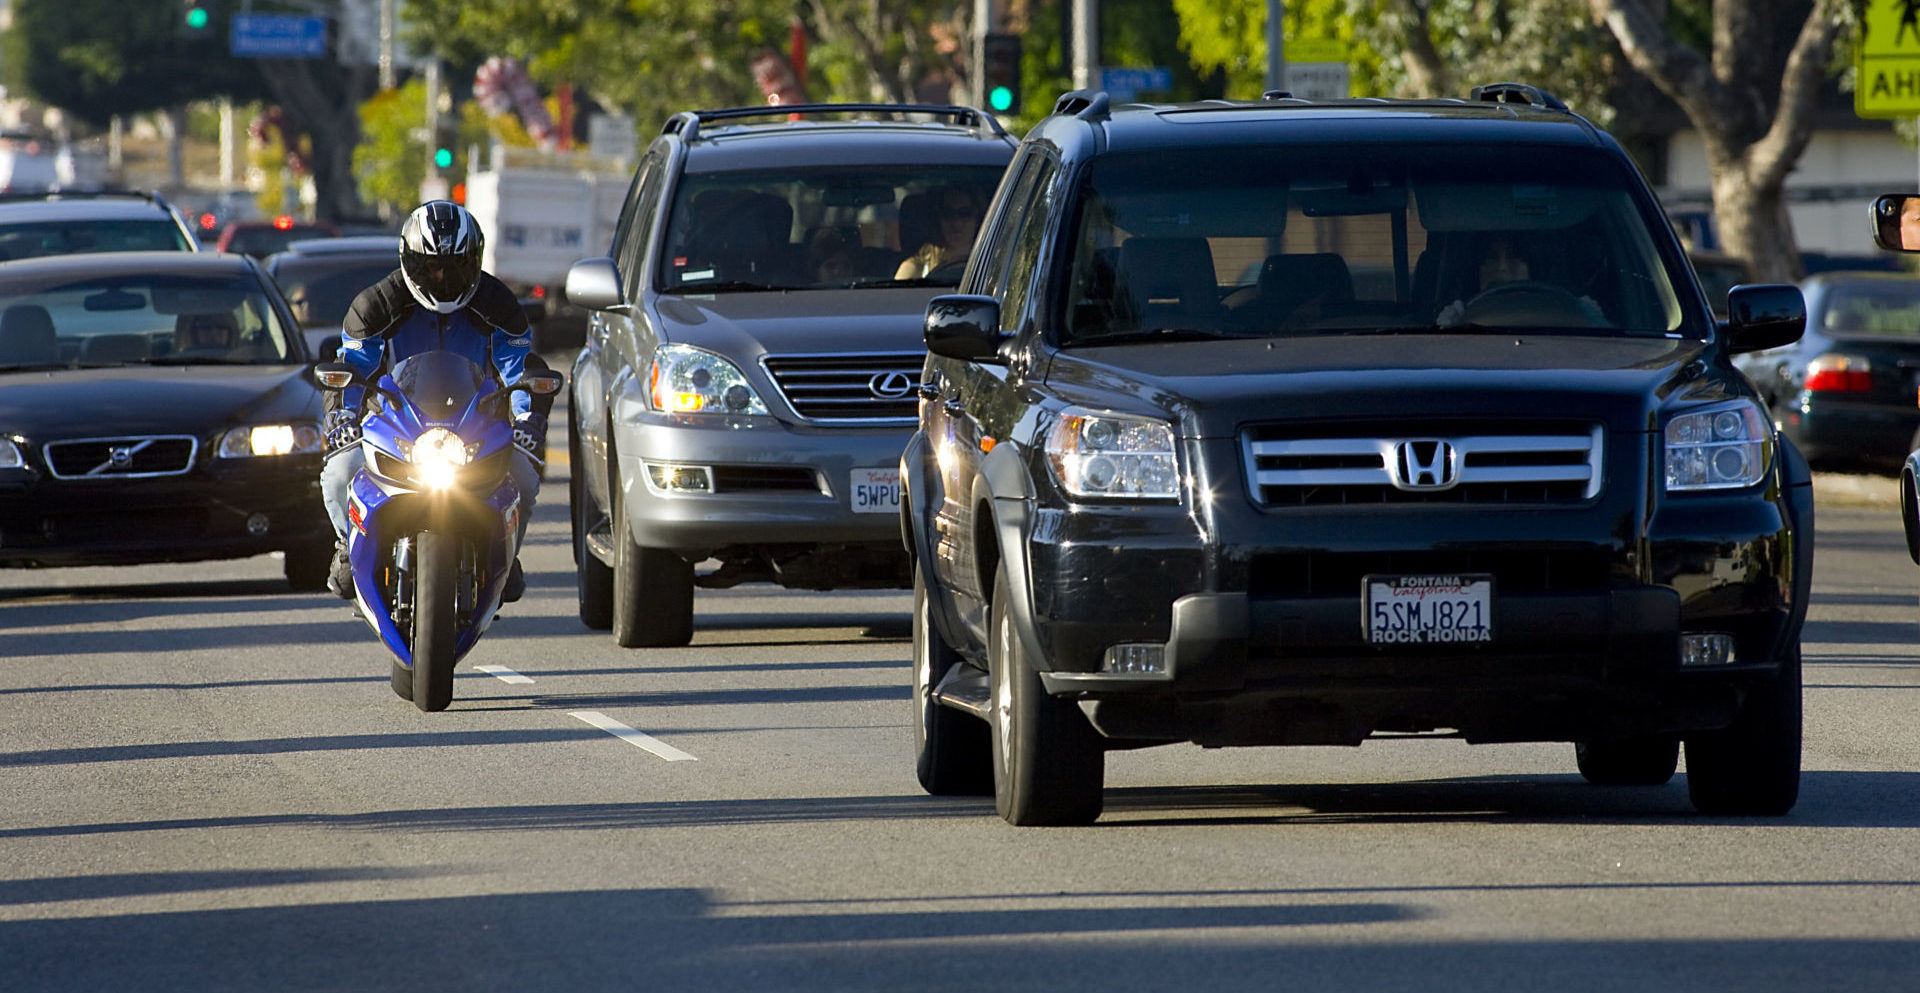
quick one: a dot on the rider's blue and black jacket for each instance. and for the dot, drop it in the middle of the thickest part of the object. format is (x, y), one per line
(385, 325)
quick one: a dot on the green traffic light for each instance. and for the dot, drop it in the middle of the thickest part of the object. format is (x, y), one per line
(443, 158)
(1000, 99)
(197, 18)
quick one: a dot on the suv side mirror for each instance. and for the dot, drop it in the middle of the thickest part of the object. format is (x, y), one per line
(962, 326)
(1896, 222)
(594, 284)
(1763, 316)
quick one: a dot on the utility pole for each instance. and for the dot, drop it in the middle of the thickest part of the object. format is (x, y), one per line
(1086, 44)
(986, 21)
(386, 45)
(1276, 45)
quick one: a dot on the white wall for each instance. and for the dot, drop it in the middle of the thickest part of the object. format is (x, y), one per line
(1873, 161)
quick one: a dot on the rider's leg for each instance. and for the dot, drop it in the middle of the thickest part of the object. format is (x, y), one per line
(526, 478)
(336, 481)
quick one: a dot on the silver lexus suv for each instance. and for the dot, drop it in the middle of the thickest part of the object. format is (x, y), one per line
(749, 376)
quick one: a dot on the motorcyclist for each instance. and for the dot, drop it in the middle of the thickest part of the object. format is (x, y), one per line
(438, 299)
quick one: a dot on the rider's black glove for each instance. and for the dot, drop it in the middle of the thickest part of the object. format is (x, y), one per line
(530, 434)
(343, 431)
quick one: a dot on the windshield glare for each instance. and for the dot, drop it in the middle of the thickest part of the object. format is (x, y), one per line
(142, 319)
(1269, 242)
(29, 241)
(824, 228)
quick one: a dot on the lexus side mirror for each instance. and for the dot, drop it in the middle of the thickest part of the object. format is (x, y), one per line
(1763, 316)
(1896, 222)
(594, 284)
(965, 327)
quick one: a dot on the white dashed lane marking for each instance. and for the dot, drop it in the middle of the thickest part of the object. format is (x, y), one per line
(504, 674)
(632, 737)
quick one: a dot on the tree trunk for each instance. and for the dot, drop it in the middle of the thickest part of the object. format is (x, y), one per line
(1753, 223)
(322, 99)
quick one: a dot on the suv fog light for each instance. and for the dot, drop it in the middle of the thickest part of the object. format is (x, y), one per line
(257, 524)
(680, 478)
(1706, 649)
(1136, 657)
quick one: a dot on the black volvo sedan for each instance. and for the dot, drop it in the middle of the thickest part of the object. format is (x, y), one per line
(156, 407)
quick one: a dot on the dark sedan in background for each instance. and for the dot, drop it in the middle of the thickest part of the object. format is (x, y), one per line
(156, 407)
(321, 276)
(1846, 392)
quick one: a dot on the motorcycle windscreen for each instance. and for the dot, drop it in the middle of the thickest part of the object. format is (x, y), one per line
(441, 384)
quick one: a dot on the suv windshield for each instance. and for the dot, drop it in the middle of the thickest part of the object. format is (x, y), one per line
(824, 228)
(35, 239)
(1320, 239)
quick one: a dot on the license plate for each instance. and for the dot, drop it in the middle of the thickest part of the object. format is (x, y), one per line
(875, 491)
(1429, 610)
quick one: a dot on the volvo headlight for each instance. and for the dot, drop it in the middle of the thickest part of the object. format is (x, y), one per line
(437, 456)
(686, 380)
(1721, 447)
(269, 439)
(11, 457)
(1098, 454)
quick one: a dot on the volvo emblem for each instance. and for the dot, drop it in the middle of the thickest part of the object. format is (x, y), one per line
(890, 385)
(1425, 464)
(121, 456)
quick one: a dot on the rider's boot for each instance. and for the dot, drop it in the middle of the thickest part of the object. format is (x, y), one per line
(516, 583)
(340, 573)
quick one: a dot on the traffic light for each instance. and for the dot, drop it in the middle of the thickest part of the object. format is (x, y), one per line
(198, 19)
(1000, 72)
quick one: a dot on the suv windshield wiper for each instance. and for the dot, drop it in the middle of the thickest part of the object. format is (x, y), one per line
(34, 366)
(197, 360)
(861, 284)
(1157, 334)
(731, 286)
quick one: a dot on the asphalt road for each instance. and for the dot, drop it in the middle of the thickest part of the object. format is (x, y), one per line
(205, 784)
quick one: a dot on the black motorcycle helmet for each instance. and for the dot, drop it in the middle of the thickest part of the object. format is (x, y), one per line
(440, 255)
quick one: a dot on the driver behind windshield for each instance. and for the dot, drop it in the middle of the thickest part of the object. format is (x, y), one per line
(1502, 263)
(959, 222)
(439, 299)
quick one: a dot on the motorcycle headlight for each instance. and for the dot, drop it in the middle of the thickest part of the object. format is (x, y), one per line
(688, 380)
(1721, 447)
(11, 457)
(269, 439)
(1097, 454)
(437, 456)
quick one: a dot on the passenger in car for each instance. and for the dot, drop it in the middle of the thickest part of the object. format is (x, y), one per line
(959, 222)
(204, 334)
(1503, 263)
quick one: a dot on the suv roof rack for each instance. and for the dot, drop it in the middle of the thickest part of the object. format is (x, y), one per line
(1088, 105)
(1532, 96)
(16, 196)
(687, 123)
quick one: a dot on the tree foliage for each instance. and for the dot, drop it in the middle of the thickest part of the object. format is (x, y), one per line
(96, 59)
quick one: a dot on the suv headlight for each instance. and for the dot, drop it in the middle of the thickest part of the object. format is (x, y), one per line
(686, 380)
(1725, 446)
(269, 439)
(1098, 454)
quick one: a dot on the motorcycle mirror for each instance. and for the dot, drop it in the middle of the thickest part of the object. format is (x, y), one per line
(335, 375)
(542, 384)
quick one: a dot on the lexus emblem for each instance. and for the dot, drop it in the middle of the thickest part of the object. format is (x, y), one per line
(890, 385)
(1425, 464)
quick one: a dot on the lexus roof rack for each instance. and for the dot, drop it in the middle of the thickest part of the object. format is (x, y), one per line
(1088, 105)
(687, 123)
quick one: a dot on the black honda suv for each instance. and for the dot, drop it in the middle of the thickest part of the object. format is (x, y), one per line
(1294, 422)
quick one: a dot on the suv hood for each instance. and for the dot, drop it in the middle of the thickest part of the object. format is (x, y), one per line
(746, 326)
(153, 400)
(1215, 388)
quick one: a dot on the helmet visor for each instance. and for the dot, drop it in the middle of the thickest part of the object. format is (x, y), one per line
(444, 278)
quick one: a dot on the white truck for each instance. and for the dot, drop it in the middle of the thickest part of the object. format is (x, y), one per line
(541, 214)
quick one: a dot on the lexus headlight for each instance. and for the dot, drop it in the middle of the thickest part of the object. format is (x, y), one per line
(1721, 447)
(687, 380)
(437, 456)
(1097, 454)
(10, 455)
(269, 439)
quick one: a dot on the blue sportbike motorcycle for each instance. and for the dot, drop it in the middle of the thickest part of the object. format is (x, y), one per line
(435, 514)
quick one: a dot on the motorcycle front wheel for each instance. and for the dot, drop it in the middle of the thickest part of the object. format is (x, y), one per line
(436, 578)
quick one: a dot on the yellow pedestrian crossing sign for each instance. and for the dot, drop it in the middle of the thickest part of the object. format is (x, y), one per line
(1888, 81)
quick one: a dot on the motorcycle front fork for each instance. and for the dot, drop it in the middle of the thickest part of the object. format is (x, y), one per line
(399, 588)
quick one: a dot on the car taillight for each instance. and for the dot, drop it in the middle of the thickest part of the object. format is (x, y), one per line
(1839, 374)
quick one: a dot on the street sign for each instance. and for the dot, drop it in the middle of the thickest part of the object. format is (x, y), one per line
(1319, 80)
(279, 36)
(1123, 85)
(1888, 81)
